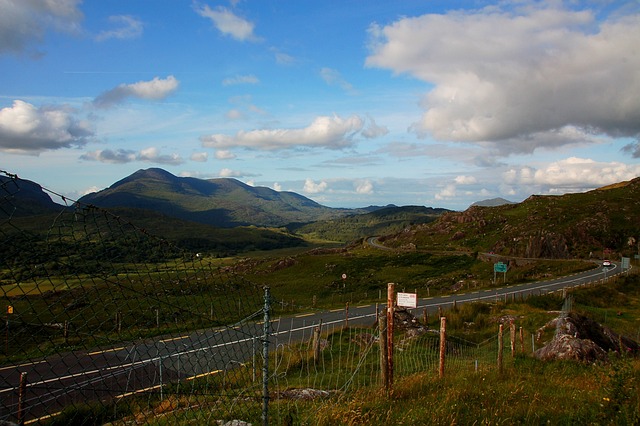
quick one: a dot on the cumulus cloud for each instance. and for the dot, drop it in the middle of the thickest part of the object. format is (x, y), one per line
(373, 130)
(571, 175)
(121, 156)
(518, 74)
(27, 129)
(23, 23)
(200, 157)
(325, 132)
(228, 23)
(156, 89)
(364, 187)
(126, 27)
(465, 180)
(310, 187)
(240, 79)
(223, 154)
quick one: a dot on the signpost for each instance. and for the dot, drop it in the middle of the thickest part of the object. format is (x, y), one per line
(407, 300)
(500, 267)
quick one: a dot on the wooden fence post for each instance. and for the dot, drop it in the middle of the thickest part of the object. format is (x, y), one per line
(382, 325)
(500, 347)
(21, 397)
(512, 336)
(521, 340)
(443, 345)
(316, 342)
(346, 316)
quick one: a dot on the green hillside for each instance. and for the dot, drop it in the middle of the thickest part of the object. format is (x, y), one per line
(595, 223)
(386, 220)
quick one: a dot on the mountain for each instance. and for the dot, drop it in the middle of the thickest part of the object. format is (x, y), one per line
(493, 202)
(24, 198)
(599, 223)
(220, 202)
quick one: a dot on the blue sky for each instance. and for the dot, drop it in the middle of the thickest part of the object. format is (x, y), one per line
(350, 103)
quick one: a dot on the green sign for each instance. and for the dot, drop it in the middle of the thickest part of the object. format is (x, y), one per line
(500, 267)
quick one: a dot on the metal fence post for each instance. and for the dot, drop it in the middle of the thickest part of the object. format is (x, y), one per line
(265, 355)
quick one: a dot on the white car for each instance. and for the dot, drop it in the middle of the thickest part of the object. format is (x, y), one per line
(606, 263)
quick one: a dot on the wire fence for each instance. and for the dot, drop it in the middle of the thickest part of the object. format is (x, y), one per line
(108, 324)
(104, 321)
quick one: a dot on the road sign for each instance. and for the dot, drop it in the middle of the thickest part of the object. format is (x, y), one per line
(407, 300)
(625, 263)
(500, 267)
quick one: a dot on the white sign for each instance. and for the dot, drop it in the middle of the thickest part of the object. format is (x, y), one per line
(407, 300)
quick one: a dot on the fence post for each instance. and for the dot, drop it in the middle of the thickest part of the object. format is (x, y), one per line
(521, 340)
(443, 345)
(512, 336)
(316, 342)
(346, 316)
(390, 313)
(265, 355)
(21, 398)
(500, 347)
(382, 325)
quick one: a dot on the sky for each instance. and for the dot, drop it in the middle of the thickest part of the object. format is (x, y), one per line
(351, 103)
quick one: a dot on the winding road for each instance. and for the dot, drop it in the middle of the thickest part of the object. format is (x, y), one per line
(54, 383)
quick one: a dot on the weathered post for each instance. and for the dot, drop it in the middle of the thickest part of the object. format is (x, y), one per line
(346, 316)
(443, 345)
(521, 340)
(512, 336)
(390, 313)
(383, 352)
(21, 397)
(316, 342)
(500, 347)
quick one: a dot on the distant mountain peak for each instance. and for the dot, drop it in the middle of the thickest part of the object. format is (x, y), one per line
(493, 202)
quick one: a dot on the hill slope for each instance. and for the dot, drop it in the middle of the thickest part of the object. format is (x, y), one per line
(221, 202)
(383, 221)
(593, 223)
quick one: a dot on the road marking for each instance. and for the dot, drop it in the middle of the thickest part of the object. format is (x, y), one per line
(305, 315)
(210, 373)
(106, 351)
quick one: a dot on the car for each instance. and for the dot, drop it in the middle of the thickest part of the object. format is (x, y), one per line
(606, 263)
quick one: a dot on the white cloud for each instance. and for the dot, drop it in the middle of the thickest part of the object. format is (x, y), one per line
(26, 129)
(465, 180)
(571, 175)
(364, 187)
(200, 157)
(518, 75)
(127, 27)
(240, 79)
(228, 23)
(23, 23)
(156, 89)
(310, 187)
(121, 156)
(325, 132)
(223, 154)
(446, 193)
(333, 78)
(373, 130)
(229, 173)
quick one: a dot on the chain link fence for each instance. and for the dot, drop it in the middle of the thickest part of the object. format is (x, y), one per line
(105, 322)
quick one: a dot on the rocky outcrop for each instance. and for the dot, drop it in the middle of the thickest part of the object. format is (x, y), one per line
(579, 338)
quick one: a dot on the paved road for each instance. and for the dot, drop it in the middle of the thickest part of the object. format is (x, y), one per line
(56, 382)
